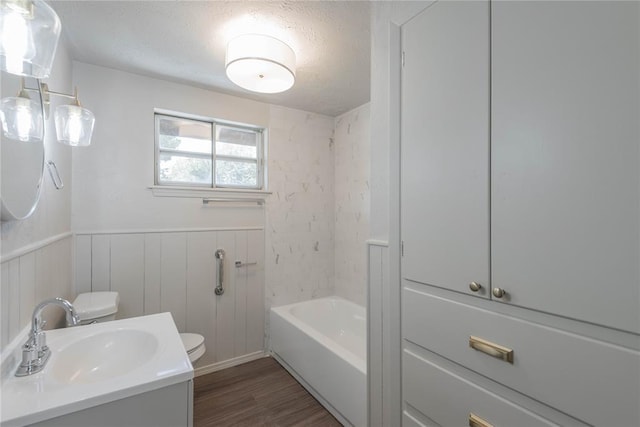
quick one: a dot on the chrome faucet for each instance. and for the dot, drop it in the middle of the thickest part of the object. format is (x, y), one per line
(35, 352)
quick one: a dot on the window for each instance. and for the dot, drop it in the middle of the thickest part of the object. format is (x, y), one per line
(211, 154)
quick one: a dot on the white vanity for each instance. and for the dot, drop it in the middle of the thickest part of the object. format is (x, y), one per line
(126, 372)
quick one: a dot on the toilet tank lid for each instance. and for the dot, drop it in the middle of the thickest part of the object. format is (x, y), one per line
(92, 305)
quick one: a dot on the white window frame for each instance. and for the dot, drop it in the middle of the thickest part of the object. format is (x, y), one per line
(260, 154)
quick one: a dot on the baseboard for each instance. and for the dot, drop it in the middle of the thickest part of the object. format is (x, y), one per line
(312, 391)
(218, 366)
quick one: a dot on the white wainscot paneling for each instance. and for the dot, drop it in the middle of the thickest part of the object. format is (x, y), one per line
(378, 282)
(28, 277)
(176, 271)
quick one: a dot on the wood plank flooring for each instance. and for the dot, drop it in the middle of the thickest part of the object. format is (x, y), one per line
(258, 393)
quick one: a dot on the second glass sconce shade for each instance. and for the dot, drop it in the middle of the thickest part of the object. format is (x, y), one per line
(74, 125)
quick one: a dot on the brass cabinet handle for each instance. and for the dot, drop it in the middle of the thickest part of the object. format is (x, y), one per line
(476, 421)
(474, 286)
(493, 350)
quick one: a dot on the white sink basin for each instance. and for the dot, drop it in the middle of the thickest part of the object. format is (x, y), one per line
(93, 365)
(103, 356)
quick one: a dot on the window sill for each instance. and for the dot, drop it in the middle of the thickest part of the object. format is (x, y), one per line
(203, 193)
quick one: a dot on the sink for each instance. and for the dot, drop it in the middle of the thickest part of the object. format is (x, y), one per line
(103, 356)
(93, 365)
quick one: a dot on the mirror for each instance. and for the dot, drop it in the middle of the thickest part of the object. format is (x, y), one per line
(22, 164)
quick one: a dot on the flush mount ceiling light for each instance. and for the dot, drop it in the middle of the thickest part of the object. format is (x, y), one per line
(29, 33)
(260, 63)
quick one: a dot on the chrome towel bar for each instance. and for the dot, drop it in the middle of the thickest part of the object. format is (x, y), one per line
(224, 200)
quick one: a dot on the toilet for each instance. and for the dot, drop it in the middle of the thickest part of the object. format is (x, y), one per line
(98, 307)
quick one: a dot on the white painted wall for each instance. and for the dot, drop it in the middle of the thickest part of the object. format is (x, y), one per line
(352, 198)
(36, 252)
(113, 174)
(53, 214)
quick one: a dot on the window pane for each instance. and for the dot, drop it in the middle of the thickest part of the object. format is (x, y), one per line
(176, 168)
(236, 150)
(184, 135)
(232, 173)
(236, 142)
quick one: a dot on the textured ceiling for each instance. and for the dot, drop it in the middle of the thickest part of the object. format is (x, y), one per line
(185, 41)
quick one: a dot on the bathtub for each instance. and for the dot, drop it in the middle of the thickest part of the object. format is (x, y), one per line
(322, 343)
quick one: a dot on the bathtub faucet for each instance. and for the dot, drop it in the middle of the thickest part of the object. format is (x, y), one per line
(35, 352)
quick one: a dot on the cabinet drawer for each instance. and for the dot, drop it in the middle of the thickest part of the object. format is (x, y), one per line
(596, 382)
(449, 398)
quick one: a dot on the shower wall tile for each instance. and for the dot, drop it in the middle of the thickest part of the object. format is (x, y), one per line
(299, 213)
(352, 172)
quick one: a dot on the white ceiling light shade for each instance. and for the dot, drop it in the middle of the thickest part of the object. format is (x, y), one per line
(260, 63)
(29, 33)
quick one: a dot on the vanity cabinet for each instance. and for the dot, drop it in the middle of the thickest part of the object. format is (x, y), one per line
(170, 406)
(520, 211)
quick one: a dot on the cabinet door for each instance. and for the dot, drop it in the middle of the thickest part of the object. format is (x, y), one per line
(445, 146)
(565, 158)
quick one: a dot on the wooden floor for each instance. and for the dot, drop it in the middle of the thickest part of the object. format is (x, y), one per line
(258, 393)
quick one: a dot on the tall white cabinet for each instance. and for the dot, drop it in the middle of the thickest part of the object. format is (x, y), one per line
(565, 202)
(520, 214)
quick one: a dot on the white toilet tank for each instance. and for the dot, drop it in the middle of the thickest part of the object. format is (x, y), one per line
(93, 307)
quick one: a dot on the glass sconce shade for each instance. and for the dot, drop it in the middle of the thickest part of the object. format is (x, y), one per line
(21, 119)
(260, 63)
(74, 125)
(29, 33)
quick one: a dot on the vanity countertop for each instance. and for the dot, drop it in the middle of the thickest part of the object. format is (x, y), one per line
(95, 364)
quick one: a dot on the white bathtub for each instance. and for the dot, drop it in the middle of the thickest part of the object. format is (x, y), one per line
(322, 343)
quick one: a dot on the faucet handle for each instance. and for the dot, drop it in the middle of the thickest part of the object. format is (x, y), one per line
(29, 352)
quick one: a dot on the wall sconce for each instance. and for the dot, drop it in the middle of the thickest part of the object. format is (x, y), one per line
(30, 30)
(30, 33)
(260, 63)
(22, 117)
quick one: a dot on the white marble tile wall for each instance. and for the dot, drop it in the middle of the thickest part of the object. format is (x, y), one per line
(352, 171)
(299, 214)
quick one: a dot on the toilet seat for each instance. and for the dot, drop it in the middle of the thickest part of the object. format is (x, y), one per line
(194, 345)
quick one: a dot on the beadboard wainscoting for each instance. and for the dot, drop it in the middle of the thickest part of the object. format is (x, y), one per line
(30, 275)
(378, 279)
(176, 271)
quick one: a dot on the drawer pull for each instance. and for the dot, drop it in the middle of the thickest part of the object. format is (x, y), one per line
(476, 421)
(493, 350)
